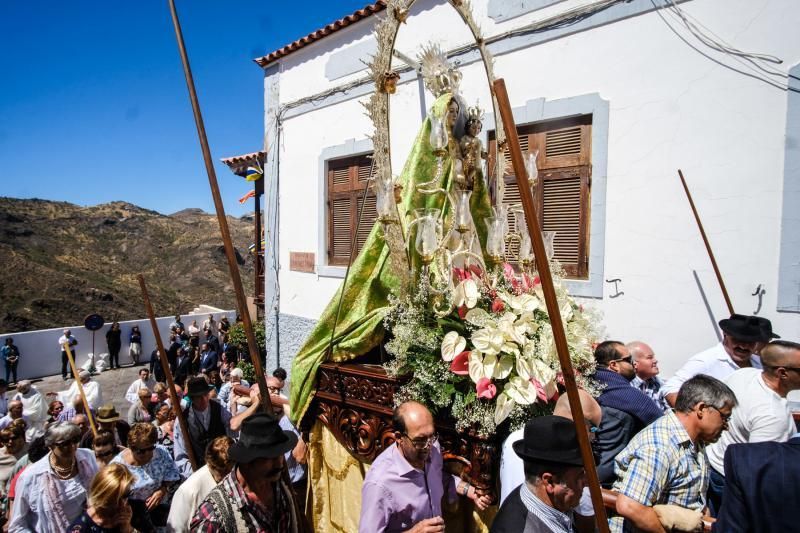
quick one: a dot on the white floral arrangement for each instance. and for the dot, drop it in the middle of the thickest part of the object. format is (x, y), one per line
(493, 359)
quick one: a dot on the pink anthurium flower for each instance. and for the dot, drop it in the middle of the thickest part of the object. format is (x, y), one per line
(460, 364)
(485, 388)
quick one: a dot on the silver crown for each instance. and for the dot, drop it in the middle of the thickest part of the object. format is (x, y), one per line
(440, 76)
(475, 112)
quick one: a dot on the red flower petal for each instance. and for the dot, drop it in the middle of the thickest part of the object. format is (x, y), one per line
(460, 364)
(498, 306)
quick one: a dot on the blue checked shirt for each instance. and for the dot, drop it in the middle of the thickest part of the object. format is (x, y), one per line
(661, 465)
(654, 388)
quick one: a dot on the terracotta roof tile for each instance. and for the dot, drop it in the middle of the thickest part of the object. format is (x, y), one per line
(321, 33)
(239, 163)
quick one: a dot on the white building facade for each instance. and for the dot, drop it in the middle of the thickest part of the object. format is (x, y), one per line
(657, 98)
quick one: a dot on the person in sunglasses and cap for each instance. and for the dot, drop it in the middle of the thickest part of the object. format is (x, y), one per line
(254, 496)
(742, 337)
(554, 479)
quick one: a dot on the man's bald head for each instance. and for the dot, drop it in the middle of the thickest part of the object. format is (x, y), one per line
(781, 353)
(410, 414)
(645, 363)
(589, 406)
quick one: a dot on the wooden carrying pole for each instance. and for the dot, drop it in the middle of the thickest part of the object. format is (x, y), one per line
(241, 302)
(551, 301)
(708, 245)
(162, 356)
(78, 382)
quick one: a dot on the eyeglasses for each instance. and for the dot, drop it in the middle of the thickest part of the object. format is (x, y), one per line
(66, 443)
(725, 418)
(795, 368)
(142, 451)
(274, 390)
(628, 360)
(422, 443)
(104, 454)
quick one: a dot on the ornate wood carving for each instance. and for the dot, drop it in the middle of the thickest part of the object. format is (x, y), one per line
(355, 403)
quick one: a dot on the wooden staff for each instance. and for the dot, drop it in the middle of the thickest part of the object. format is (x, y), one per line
(708, 245)
(552, 302)
(241, 302)
(78, 382)
(162, 356)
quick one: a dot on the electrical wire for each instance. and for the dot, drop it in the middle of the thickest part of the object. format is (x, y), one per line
(750, 62)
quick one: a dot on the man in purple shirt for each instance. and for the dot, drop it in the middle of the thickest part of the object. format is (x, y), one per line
(405, 485)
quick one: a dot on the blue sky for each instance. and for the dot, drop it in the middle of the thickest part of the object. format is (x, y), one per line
(94, 106)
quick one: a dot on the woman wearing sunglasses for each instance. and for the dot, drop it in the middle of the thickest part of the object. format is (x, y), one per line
(51, 493)
(105, 447)
(108, 510)
(154, 475)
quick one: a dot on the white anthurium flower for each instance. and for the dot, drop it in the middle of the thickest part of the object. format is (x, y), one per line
(478, 317)
(525, 303)
(503, 408)
(504, 366)
(488, 340)
(526, 324)
(524, 367)
(481, 366)
(543, 372)
(466, 293)
(521, 390)
(510, 348)
(566, 312)
(452, 345)
(510, 333)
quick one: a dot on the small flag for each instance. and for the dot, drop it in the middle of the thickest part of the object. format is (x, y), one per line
(250, 194)
(253, 174)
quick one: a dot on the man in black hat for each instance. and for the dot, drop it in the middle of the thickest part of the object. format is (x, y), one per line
(254, 496)
(741, 337)
(206, 419)
(554, 479)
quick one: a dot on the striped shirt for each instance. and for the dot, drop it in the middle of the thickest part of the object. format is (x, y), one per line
(557, 521)
(661, 465)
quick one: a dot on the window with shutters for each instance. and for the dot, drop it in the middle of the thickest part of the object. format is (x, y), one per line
(346, 181)
(562, 191)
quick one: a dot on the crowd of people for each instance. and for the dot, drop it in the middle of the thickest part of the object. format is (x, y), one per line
(716, 444)
(713, 447)
(63, 469)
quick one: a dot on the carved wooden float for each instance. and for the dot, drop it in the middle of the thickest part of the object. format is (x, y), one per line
(355, 401)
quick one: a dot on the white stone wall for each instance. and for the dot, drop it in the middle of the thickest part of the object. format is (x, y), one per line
(40, 354)
(670, 108)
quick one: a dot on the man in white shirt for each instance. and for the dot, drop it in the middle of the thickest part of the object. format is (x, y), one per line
(34, 408)
(144, 382)
(71, 341)
(741, 335)
(94, 396)
(763, 412)
(14, 412)
(194, 490)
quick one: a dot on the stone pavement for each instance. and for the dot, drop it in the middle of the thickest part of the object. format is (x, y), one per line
(113, 383)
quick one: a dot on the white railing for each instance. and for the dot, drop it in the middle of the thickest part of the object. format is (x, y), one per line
(40, 354)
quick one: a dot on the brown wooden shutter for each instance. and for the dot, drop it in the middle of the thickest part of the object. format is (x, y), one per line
(346, 181)
(562, 191)
(565, 211)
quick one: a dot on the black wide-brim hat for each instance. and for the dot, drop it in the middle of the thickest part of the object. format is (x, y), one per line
(261, 437)
(550, 439)
(746, 328)
(198, 386)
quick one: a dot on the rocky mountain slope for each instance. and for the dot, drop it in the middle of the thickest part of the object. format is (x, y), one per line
(61, 262)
